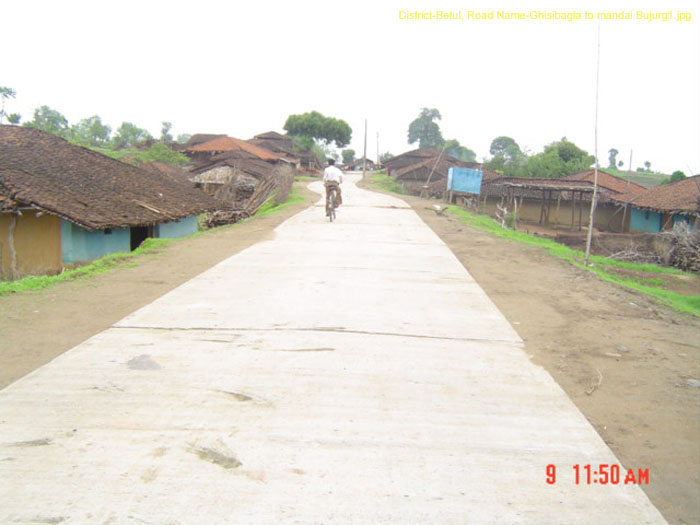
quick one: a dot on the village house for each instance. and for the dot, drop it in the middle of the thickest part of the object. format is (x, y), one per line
(660, 208)
(564, 202)
(62, 204)
(358, 164)
(287, 148)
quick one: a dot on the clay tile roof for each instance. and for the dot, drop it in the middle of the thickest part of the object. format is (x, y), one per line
(46, 172)
(610, 182)
(682, 196)
(421, 170)
(231, 144)
(271, 135)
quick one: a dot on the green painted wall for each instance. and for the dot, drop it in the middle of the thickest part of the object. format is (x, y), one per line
(181, 228)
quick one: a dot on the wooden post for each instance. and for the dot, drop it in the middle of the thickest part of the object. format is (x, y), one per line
(558, 203)
(11, 246)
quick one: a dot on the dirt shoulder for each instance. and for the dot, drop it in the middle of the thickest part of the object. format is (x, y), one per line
(628, 363)
(576, 326)
(36, 327)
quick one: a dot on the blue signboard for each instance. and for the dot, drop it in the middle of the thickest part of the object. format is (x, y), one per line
(465, 180)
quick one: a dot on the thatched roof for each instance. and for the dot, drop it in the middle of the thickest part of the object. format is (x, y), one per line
(46, 172)
(410, 157)
(681, 196)
(437, 164)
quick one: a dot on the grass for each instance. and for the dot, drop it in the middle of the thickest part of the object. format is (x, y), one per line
(126, 259)
(382, 181)
(603, 267)
(96, 267)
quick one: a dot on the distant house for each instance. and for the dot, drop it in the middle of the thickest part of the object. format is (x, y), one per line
(243, 173)
(62, 204)
(431, 172)
(357, 165)
(659, 208)
(564, 201)
(204, 151)
(287, 148)
(410, 157)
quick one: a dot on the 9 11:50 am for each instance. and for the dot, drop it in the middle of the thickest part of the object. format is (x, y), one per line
(602, 474)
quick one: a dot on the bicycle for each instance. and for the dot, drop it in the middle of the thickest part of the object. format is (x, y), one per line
(330, 204)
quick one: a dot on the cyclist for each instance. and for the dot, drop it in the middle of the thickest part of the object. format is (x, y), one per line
(333, 178)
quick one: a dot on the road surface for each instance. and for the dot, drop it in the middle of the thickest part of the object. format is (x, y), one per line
(344, 372)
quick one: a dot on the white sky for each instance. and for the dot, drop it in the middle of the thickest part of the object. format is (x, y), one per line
(241, 68)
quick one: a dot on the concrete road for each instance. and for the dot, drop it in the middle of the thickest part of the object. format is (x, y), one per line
(345, 372)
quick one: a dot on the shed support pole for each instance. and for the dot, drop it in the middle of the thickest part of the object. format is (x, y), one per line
(11, 246)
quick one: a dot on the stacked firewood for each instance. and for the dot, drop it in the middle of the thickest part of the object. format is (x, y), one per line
(685, 247)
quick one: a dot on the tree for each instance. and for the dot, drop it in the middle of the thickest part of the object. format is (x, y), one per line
(425, 130)
(183, 137)
(348, 155)
(159, 152)
(5, 93)
(165, 135)
(454, 148)
(620, 163)
(677, 175)
(647, 165)
(14, 118)
(558, 159)
(317, 127)
(128, 135)
(385, 156)
(612, 161)
(90, 132)
(507, 157)
(49, 120)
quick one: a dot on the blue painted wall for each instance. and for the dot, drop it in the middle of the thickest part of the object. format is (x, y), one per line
(78, 245)
(464, 179)
(684, 218)
(181, 228)
(639, 221)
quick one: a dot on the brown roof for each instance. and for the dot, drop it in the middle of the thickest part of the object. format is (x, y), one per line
(46, 172)
(256, 168)
(410, 157)
(422, 170)
(682, 196)
(611, 182)
(199, 138)
(271, 135)
(165, 169)
(232, 144)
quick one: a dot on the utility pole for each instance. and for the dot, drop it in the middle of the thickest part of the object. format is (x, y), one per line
(364, 155)
(378, 148)
(595, 176)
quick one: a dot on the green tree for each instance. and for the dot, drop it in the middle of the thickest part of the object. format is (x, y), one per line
(160, 152)
(454, 148)
(507, 157)
(165, 135)
(183, 137)
(317, 127)
(49, 120)
(5, 93)
(90, 132)
(557, 160)
(620, 163)
(612, 161)
(677, 175)
(425, 130)
(385, 156)
(14, 118)
(348, 155)
(647, 166)
(128, 135)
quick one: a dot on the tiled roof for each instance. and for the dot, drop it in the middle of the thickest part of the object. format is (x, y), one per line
(46, 172)
(421, 170)
(610, 182)
(682, 196)
(231, 144)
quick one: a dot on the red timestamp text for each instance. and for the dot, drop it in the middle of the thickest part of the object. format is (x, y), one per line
(602, 474)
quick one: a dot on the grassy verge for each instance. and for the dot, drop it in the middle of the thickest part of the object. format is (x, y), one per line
(127, 259)
(382, 181)
(645, 277)
(96, 267)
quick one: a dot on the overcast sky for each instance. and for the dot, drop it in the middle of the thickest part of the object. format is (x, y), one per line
(241, 68)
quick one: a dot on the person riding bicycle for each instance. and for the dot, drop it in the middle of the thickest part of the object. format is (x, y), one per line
(333, 178)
